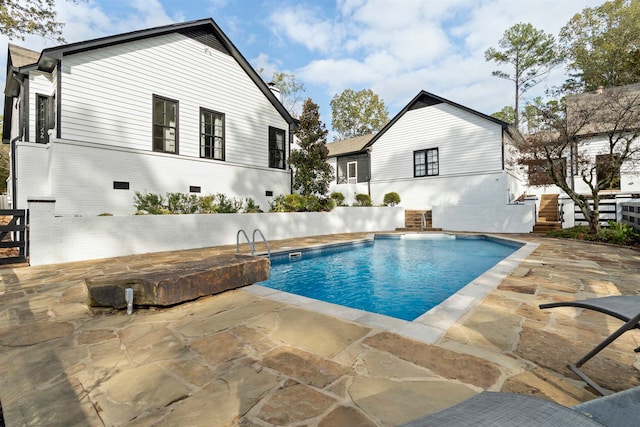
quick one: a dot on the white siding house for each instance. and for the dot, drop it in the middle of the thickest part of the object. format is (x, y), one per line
(601, 123)
(352, 165)
(441, 156)
(169, 109)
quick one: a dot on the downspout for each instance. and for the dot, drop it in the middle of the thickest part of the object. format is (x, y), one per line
(14, 185)
(289, 164)
(368, 152)
(22, 124)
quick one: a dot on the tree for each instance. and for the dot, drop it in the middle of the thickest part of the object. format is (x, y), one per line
(21, 17)
(290, 90)
(312, 173)
(357, 113)
(569, 128)
(507, 114)
(602, 45)
(529, 115)
(530, 52)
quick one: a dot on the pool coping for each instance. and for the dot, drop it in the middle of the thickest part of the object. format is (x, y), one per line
(428, 327)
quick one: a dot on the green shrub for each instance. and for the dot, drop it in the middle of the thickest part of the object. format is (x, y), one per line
(362, 200)
(207, 204)
(105, 214)
(278, 204)
(250, 206)
(180, 203)
(338, 198)
(228, 204)
(295, 202)
(391, 199)
(299, 203)
(149, 203)
(579, 232)
(327, 204)
(312, 204)
(617, 233)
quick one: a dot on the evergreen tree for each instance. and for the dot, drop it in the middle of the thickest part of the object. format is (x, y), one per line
(312, 173)
(532, 55)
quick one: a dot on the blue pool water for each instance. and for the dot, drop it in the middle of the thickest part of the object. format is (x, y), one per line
(402, 278)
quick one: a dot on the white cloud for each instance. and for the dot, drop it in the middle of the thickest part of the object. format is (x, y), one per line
(84, 21)
(301, 26)
(398, 48)
(268, 65)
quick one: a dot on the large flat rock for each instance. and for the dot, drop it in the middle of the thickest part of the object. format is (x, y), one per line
(170, 284)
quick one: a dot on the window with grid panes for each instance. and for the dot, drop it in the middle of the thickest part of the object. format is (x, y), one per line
(277, 146)
(426, 162)
(211, 134)
(165, 125)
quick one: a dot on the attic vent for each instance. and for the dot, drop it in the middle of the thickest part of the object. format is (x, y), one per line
(424, 101)
(206, 38)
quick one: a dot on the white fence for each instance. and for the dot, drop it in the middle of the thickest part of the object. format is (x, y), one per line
(65, 239)
(631, 213)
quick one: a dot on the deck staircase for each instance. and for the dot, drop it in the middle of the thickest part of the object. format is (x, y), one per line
(548, 216)
(413, 221)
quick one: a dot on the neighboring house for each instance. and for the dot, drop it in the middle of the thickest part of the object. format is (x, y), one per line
(352, 165)
(169, 109)
(597, 119)
(440, 156)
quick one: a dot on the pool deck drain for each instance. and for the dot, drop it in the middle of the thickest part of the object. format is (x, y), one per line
(239, 358)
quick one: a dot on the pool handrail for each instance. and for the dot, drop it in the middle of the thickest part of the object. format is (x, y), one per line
(246, 238)
(252, 242)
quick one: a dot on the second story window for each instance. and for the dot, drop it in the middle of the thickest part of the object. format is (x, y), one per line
(425, 162)
(165, 125)
(211, 134)
(608, 171)
(276, 148)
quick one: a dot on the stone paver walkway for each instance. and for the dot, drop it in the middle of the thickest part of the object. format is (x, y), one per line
(242, 359)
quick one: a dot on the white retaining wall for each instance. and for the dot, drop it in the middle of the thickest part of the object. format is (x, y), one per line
(496, 218)
(65, 239)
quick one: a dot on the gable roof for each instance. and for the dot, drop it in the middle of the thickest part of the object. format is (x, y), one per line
(205, 31)
(348, 146)
(19, 56)
(426, 99)
(604, 110)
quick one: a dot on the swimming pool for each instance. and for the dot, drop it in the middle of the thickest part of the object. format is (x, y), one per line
(402, 276)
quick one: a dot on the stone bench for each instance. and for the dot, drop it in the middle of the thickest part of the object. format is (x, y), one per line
(170, 284)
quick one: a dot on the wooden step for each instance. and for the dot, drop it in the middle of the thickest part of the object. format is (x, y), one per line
(548, 208)
(546, 226)
(413, 219)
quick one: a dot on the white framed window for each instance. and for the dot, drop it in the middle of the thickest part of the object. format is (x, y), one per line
(352, 172)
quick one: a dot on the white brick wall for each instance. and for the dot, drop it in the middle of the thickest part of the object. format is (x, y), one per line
(65, 239)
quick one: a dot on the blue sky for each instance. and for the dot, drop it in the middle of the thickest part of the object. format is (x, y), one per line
(396, 48)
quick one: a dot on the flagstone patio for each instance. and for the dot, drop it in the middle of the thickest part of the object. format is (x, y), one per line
(239, 358)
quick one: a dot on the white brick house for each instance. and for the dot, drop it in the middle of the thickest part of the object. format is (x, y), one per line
(168, 109)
